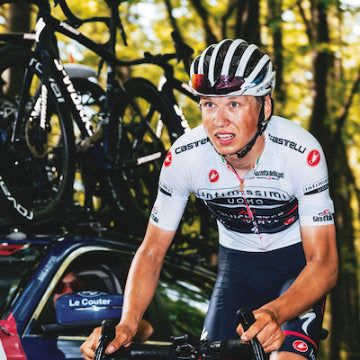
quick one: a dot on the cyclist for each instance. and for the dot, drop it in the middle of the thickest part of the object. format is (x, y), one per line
(265, 180)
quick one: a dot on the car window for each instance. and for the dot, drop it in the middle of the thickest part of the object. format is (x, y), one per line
(17, 263)
(91, 272)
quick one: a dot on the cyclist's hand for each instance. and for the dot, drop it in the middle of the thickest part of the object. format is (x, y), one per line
(123, 337)
(89, 345)
(267, 330)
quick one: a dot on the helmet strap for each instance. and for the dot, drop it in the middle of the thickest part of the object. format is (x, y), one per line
(262, 123)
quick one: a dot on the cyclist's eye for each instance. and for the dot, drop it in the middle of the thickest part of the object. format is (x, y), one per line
(209, 104)
(234, 104)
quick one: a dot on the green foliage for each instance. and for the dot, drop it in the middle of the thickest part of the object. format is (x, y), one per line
(148, 25)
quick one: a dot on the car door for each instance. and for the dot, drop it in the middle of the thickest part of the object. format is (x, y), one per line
(98, 268)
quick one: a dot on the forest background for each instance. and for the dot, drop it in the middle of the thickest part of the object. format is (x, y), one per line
(315, 47)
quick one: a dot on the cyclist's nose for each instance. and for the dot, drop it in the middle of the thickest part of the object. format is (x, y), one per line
(221, 116)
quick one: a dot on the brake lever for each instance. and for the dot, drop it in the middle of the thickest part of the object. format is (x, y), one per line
(183, 50)
(106, 336)
(246, 319)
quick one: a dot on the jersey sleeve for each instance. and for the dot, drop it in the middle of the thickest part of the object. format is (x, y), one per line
(173, 192)
(311, 177)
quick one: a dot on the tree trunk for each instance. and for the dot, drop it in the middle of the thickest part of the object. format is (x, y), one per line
(19, 19)
(247, 25)
(204, 15)
(345, 325)
(169, 10)
(275, 23)
(344, 298)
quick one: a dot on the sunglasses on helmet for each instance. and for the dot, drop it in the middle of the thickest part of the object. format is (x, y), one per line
(224, 85)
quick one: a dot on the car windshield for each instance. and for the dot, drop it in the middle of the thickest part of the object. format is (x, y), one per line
(17, 263)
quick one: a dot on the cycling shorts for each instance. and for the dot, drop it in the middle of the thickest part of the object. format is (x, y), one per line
(250, 280)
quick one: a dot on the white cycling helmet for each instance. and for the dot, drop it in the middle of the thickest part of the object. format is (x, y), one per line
(232, 67)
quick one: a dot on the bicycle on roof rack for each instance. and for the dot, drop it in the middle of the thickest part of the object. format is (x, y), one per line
(123, 152)
(171, 88)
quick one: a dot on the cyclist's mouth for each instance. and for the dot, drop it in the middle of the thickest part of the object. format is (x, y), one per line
(224, 139)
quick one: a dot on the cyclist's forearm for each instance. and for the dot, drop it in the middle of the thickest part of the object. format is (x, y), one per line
(144, 274)
(317, 278)
(140, 286)
(308, 288)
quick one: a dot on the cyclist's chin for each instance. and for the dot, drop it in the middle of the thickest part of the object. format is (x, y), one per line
(226, 150)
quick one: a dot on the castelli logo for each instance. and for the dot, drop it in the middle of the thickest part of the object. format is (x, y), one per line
(313, 158)
(300, 346)
(168, 159)
(213, 176)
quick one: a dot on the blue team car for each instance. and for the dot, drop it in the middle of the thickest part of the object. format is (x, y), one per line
(44, 317)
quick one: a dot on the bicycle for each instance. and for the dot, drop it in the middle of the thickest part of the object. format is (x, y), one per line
(171, 89)
(37, 138)
(168, 85)
(185, 347)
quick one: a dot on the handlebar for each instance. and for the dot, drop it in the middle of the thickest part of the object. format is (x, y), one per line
(113, 22)
(246, 319)
(184, 347)
(76, 21)
(183, 53)
(107, 334)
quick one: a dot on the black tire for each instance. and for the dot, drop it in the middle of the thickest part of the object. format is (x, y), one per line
(140, 151)
(90, 189)
(36, 175)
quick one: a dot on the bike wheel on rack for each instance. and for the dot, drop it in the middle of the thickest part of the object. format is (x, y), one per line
(89, 188)
(36, 170)
(141, 146)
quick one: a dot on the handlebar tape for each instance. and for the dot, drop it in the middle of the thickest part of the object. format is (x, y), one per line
(246, 319)
(107, 334)
(235, 348)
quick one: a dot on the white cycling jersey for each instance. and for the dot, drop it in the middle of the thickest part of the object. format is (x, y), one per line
(287, 187)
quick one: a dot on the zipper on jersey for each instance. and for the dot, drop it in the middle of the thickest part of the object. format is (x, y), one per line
(242, 190)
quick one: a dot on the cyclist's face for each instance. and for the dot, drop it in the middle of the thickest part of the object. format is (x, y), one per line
(230, 121)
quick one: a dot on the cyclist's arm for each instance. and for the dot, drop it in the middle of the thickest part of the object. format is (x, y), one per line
(139, 290)
(144, 274)
(316, 279)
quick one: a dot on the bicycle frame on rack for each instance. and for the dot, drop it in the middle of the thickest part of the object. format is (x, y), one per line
(119, 156)
(47, 25)
(167, 85)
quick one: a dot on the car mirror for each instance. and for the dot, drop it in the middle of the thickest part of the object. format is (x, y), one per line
(88, 306)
